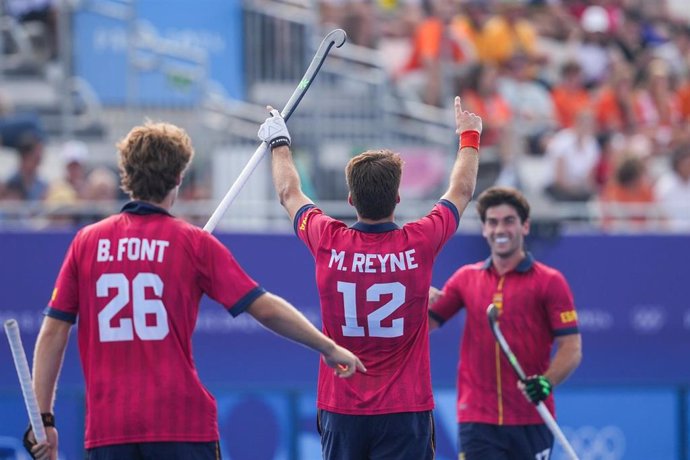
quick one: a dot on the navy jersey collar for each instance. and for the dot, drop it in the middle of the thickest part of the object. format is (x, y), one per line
(143, 209)
(524, 265)
(375, 228)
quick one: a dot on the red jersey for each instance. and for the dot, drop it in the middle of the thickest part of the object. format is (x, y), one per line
(373, 283)
(134, 281)
(535, 305)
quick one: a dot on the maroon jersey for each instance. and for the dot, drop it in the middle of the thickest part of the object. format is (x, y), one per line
(373, 283)
(134, 281)
(535, 305)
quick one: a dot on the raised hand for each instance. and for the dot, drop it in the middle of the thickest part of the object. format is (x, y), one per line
(273, 131)
(464, 120)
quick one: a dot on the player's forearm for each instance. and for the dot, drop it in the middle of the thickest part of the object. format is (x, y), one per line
(463, 178)
(48, 356)
(567, 358)
(281, 317)
(285, 176)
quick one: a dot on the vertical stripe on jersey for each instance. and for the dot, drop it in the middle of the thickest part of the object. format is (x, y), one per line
(499, 385)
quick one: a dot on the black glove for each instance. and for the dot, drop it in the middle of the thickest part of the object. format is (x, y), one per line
(48, 420)
(537, 388)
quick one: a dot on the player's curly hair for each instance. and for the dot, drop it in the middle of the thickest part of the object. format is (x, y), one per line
(496, 196)
(151, 159)
(373, 178)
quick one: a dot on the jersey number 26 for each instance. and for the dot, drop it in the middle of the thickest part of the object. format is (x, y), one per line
(141, 307)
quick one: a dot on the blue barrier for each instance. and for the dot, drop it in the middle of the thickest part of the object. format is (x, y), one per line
(634, 317)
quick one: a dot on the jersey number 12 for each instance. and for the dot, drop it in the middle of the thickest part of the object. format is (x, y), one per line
(375, 318)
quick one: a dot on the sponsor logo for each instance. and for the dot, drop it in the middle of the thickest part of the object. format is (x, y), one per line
(303, 224)
(52, 297)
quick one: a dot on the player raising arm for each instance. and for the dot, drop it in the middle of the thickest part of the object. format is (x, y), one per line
(133, 283)
(373, 280)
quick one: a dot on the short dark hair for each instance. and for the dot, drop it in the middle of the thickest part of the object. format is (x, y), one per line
(373, 178)
(496, 196)
(152, 157)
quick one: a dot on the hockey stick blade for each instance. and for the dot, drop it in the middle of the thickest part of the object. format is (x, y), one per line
(335, 38)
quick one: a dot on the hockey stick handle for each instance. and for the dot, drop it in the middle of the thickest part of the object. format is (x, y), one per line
(492, 313)
(556, 430)
(335, 38)
(22, 367)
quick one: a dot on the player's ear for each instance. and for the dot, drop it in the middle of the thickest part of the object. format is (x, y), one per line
(349, 199)
(179, 179)
(397, 198)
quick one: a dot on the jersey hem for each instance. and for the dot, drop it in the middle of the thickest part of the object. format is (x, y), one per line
(390, 410)
(159, 438)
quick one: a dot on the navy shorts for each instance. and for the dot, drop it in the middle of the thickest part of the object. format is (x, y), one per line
(482, 441)
(402, 436)
(157, 451)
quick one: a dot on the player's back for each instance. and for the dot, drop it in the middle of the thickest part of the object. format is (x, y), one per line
(140, 279)
(373, 283)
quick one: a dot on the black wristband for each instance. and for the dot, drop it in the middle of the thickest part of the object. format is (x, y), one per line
(48, 419)
(279, 142)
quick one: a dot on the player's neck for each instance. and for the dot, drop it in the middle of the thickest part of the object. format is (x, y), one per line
(504, 265)
(166, 203)
(385, 220)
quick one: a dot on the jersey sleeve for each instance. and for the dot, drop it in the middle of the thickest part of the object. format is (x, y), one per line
(560, 306)
(440, 224)
(310, 223)
(223, 279)
(64, 302)
(450, 302)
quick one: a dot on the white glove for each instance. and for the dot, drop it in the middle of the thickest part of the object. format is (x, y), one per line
(273, 131)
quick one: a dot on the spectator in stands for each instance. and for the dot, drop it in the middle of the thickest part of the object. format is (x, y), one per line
(43, 12)
(508, 33)
(26, 184)
(70, 187)
(480, 95)
(16, 127)
(593, 52)
(570, 96)
(573, 154)
(468, 26)
(656, 105)
(614, 106)
(672, 190)
(436, 56)
(627, 197)
(530, 103)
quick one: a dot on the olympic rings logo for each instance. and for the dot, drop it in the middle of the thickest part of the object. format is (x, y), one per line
(591, 443)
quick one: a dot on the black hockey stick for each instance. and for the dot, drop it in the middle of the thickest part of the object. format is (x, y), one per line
(335, 38)
(492, 313)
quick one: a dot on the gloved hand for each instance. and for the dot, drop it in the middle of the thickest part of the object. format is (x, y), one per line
(537, 388)
(273, 131)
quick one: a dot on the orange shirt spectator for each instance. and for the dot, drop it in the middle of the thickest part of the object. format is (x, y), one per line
(684, 100)
(570, 96)
(431, 37)
(629, 186)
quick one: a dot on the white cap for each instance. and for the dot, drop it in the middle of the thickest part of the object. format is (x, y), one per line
(74, 152)
(595, 19)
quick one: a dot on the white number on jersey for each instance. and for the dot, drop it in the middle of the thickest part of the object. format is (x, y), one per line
(140, 305)
(376, 317)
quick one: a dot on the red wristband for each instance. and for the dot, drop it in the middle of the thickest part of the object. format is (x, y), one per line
(469, 139)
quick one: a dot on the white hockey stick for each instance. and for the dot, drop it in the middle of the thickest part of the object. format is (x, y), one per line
(335, 38)
(492, 313)
(22, 366)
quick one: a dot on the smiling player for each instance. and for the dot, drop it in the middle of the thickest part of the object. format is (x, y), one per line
(536, 308)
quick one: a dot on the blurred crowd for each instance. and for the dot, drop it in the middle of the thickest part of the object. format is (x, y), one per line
(595, 93)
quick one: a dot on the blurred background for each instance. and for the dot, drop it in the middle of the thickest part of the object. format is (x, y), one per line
(586, 108)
